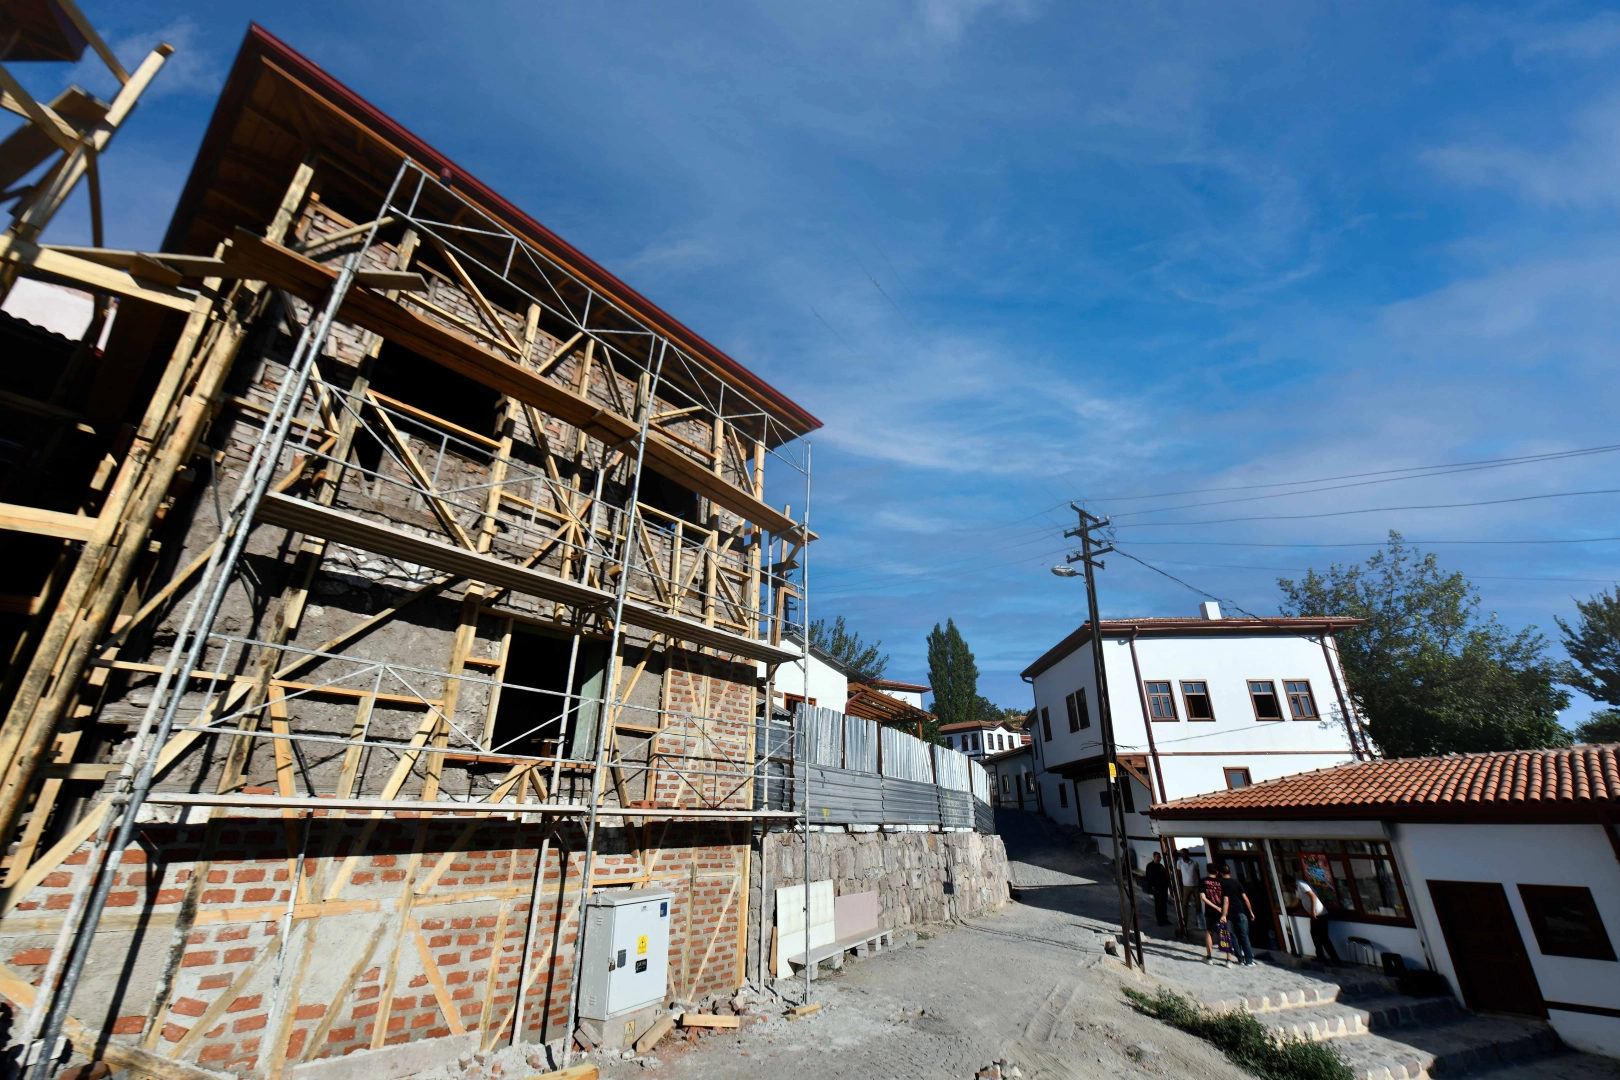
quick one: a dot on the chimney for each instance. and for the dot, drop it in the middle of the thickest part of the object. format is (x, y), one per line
(1209, 609)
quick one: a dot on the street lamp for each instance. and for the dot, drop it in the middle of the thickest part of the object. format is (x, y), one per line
(1065, 571)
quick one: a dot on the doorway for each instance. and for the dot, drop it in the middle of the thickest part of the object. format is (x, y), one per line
(529, 721)
(1493, 969)
(1248, 864)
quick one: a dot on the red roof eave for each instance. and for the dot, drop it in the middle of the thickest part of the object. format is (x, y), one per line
(1121, 627)
(259, 43)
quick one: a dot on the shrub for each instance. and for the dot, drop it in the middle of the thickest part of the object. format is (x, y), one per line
(1242, 1038)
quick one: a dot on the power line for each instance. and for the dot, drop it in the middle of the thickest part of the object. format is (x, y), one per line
(1367, 483)
(1371, 510)
(1350, 476)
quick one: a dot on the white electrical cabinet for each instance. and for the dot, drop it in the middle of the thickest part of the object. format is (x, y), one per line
(626, 964)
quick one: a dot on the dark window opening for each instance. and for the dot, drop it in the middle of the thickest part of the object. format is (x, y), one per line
(1236, 778)
(1063, 795)
(665, 495)
(1264, 696)
(1081, 709)
(1125, 797)
(1046, 724)
(1074, 712)
(1566, 921)
(416, 380)
(1196, 695)
(529, 721)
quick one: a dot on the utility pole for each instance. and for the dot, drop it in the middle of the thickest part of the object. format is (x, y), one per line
(1090, 549)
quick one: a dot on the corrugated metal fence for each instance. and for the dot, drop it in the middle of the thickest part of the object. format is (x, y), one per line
(865, 774)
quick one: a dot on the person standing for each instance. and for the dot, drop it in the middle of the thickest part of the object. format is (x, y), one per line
(1239, 914)
(1157, 880)
(1316, 911)
(1186, 888)
(1212, 905)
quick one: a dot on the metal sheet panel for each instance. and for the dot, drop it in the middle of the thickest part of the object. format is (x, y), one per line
(826, 733)
(955, 809)
(844, 797)
(950, 768)
(906, 802)
(981, 781)
(861, 745)
(905, 757)
(984, 816)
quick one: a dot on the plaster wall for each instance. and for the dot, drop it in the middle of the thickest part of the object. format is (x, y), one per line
(1516, 855)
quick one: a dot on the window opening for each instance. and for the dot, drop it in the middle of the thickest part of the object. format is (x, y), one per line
(1264, 696)
(1566, 921)
(1161, 703)
(1046, 724)
(1300, 701)
(1196, 696)
(529, 721)
(1063, 795)
(1236, 778)
(1355, 877)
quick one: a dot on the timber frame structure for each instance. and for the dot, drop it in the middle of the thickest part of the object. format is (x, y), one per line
(413, 531)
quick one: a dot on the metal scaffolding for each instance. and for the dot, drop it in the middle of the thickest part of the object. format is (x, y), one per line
(543, 522)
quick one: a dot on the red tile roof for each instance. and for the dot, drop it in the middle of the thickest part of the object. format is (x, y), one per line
(1581, 783)
(1159, 627)
(978, 725)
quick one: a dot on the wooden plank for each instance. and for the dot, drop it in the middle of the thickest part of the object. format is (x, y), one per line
(655, 1033)
(416, 806)
(31, 519)
(576, 1072)
(803, 1010)
(709, 1020)
(329, 524)
(317, 1038)
(441, 992)
(210, 1016)
(120, 283)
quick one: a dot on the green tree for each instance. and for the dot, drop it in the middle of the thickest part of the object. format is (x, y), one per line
(1427, 671)
(953, 675)
(1594, 645)
(846, 646)
(1602, 726)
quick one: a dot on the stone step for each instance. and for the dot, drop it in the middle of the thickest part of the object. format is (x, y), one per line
(1341, 1019)
(1468, 1044)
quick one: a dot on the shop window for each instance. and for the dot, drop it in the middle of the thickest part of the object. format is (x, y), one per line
(1196, 695)
(1161, 703)
(1566, 921)
(1356, 878)
(1264, 696)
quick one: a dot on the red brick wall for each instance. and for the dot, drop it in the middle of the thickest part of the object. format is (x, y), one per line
(708, 730)
(490, 869)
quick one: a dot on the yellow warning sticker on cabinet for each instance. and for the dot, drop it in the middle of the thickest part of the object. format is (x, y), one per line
(641, 945)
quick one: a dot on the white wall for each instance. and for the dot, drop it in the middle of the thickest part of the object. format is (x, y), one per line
(824, 684)
(1515, 855)
(1193, 754)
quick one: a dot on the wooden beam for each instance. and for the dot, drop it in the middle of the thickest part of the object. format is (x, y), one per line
(31, 519)
(94, 276)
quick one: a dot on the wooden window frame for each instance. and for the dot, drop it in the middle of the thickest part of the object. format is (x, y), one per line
(1248, 684)
(1602, 945)
(1291, 860)
(1209, 699)
(1228, 770)
(1169, 695)
(1310, 692)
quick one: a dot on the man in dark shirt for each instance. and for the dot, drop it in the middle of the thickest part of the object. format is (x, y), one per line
(1239, 912)
(1157, 880)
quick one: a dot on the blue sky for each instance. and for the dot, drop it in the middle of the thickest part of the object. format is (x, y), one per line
(1015, 253)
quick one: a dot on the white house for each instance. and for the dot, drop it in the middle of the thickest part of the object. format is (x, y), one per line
(979, 739)
(1499, 871)
(1012, 778)
(1232, 702)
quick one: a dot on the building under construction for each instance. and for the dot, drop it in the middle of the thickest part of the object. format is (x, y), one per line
(384, 582)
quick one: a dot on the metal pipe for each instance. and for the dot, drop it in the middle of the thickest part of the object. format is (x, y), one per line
(611, 676)
(135, 779)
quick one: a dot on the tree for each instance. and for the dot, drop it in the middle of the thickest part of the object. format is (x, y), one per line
(953, 675)
(985, 709)
(1602, 726)
(846, 646)
(1594, 645)
(1429, 674)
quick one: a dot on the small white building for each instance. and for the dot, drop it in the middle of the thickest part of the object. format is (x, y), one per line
(1199, 704)
(1499, 871)
(910, 693)
(979, 739)
(1012, 778)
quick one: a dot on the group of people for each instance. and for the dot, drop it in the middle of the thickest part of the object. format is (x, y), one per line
(1224, 908)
